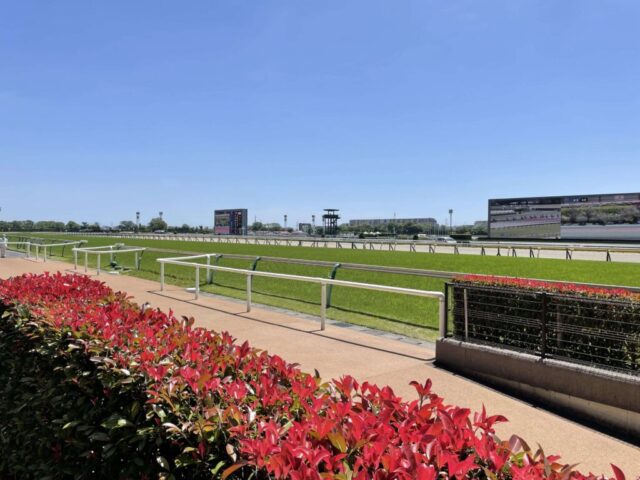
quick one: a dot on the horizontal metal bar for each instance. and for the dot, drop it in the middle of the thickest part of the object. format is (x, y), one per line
(102, 252)
(302, 278)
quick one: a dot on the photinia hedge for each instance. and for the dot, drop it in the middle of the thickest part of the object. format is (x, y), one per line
(94, 387)
(550, 287)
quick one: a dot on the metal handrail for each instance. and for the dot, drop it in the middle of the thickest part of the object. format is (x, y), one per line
(503, 247)
(38, 246)
(104, 250)
(301, 278)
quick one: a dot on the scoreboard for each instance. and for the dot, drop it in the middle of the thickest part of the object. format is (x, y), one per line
(230, 222)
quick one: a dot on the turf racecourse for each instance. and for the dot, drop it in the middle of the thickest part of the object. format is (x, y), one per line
(412, 316)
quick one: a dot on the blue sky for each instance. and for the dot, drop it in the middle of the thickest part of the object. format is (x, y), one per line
(290, 107)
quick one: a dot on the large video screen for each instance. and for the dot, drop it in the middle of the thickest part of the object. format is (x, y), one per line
(579, 217)
(230, 222)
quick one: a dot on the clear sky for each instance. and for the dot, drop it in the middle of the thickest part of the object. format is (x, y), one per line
(372, 107)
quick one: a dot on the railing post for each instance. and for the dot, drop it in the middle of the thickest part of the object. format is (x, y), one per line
(197, 289)
(323, 306)
(466, 315)
(44, 257)
(161, 276)
(209, 272)
(249, 288)
(543, 325)
(86, 261)
(332, 276)
(442, 311)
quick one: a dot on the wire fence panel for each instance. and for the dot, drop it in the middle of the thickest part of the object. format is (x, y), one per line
(592, 331)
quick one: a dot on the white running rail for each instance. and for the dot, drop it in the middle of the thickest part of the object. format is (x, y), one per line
(44, 247)
(184, 261)
(105, 250)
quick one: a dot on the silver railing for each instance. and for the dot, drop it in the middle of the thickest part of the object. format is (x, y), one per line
(110, 250)
(44, 246)
(323, 282)
(507, 248)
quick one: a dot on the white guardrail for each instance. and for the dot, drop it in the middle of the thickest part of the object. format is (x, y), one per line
(486, 247)
(44, 247)
(184, 261)
(110, 250)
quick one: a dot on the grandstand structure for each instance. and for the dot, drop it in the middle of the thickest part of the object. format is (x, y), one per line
(609, 217)
(376, 222)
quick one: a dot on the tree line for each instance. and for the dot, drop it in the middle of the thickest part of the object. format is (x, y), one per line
(154, 225)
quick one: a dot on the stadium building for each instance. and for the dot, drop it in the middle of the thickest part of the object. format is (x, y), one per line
(614, 216)
(375, 222)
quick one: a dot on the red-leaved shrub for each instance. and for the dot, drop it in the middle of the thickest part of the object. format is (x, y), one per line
(228, 410)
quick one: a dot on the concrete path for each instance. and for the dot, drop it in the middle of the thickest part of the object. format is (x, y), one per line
(338, 351)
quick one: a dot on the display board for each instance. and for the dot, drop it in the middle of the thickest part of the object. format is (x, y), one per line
(578, 217)
(230, 222)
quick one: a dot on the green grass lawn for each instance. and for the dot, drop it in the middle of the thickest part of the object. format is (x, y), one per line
(412, 316)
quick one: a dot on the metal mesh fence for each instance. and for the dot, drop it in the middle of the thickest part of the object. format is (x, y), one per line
(593, 331)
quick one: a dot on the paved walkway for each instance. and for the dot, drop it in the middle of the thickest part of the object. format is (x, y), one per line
(338, 351)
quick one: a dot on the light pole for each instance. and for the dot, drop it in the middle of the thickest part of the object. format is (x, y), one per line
(450, 220)
(285, 221)
(137, 221)
(313, 222)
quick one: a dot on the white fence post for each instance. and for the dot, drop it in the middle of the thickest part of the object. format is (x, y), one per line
(249, 288)
(197, 282)
(323, 306)
(161, 276)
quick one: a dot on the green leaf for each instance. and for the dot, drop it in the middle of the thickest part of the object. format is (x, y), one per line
(99, 437)
(163, 463)
(217, 468)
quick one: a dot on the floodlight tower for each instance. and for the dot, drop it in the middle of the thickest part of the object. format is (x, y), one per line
(285, 221)
(138, 221)
(160, 213)
(450, 220)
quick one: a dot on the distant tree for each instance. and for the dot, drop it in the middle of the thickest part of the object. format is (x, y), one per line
(157, 224)
(256, 227)
(94, 227)
(411, 229)
(127, 225)
(72, 226)
(48, 226)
